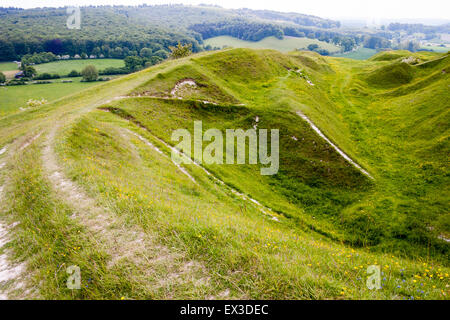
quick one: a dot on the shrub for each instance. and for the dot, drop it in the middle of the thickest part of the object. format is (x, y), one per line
(29, 71)
(2, 77)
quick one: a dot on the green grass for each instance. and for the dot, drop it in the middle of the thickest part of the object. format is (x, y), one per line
(333, 221)
(162, 85)
(392, 75)
(64, 67)
(15, 97)
(437, 48)
(285, 45)
(358, 54)
(8, 66)
(266, 260)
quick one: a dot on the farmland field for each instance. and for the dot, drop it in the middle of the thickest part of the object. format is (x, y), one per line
(7, 66)
(285, 45)
(64, 67)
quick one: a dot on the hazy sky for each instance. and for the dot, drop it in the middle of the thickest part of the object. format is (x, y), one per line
(368, 9)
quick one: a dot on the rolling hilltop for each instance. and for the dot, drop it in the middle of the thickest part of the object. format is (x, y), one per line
(87, 180)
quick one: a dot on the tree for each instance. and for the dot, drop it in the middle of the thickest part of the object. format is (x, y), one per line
(2, 77)
(117, 53)
(180, 50)
(73, 73)
(6, 51)
(133, 63)
(161, 53)
(153, 60)
(323, 52)
(348, 44)
(89, 73)
(146, 52)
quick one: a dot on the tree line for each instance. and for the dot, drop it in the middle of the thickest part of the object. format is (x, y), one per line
(256, 31)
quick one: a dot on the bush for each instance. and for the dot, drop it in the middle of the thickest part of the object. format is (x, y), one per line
(29, 71)
(46, 76)
(2, 77)
(89, 73)
(133, 63)
(313, 47)
(181, 51)
(42, 82)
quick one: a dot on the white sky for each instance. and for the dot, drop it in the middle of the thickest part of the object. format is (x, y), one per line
(367, 9)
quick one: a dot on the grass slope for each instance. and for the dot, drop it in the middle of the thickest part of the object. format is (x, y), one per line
(8, 66)
(333, 222)
(359, 54)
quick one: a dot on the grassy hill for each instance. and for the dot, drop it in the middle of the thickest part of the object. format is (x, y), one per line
(90, 180)
(287, 44)
(16, 97)
(64, 67)
(358, 54)
(8, 66)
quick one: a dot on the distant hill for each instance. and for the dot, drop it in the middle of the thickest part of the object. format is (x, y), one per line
(132, 28)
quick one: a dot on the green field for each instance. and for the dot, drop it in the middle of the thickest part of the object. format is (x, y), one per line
(15, 97)
(90, 182)
(64, 67)
(7, 66)
(437, 48)
(286, 45)
(359, 54)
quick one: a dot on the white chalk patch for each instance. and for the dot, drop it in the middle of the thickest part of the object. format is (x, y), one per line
(342, 153)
